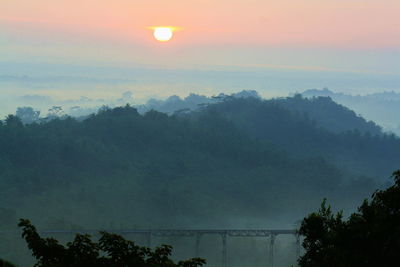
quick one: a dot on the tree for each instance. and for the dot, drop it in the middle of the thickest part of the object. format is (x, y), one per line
(368, 238)
(4, 263)
(13, 121)
(55, 112)
(111, 250)
(27, 115)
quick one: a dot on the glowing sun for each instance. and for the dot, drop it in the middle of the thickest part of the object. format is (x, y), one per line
(163, 34)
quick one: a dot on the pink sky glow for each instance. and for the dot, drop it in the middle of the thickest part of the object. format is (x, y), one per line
(326, 23)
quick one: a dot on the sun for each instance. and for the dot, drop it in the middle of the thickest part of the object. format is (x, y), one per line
(163, 34)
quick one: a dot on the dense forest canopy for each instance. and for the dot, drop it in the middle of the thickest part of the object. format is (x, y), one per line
(268, 161)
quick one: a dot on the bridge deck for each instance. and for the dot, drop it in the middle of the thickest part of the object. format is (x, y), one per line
(185, 232)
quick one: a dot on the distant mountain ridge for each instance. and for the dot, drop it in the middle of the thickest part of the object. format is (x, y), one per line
(192, 102)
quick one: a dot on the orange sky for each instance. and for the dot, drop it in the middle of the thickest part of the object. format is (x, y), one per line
(333, 23)
(338, 35)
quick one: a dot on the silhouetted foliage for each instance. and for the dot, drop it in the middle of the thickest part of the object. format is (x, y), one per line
(111, 250)
(368, 238)
(4, 263)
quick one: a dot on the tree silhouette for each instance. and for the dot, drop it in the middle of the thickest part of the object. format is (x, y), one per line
(369, 238)
(111, 250)
(4, 263)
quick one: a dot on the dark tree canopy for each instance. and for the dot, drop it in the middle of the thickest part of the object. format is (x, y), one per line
(4, 263)
(368, 238)
(111, 250)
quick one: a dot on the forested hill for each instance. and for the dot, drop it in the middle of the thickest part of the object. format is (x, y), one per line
(383, 107)
(328, 114)
(323, 110)
(155, 170)
(304, 134)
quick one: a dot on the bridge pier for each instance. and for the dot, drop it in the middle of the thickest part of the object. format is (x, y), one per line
(197, 246)
(148, 239)
(271, 250)
(224, 250)
(298, 246)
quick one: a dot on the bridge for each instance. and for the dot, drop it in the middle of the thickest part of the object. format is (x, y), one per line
(271, 236)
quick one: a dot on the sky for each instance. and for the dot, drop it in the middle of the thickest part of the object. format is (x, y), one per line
(101, 48)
